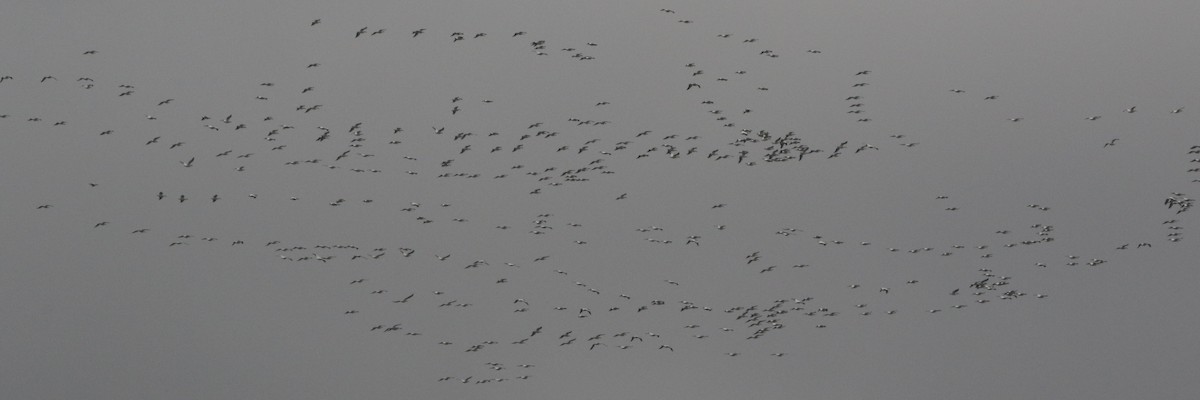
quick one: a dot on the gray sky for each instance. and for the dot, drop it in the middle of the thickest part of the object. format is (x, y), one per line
(576, 227)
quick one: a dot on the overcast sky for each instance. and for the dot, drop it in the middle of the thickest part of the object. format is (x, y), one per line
(599, 200)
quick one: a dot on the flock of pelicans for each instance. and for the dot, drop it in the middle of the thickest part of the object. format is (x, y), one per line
(569, 152)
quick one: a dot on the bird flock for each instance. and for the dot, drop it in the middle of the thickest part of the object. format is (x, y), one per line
(459, 178)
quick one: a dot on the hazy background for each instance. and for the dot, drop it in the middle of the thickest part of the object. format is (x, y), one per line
(99, 312)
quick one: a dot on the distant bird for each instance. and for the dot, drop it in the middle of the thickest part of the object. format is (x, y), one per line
(315, 22)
